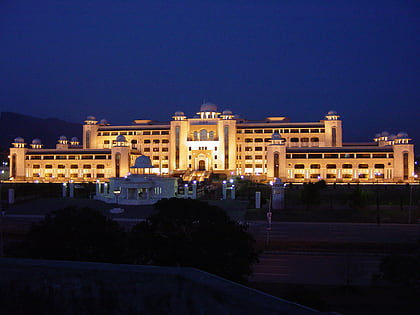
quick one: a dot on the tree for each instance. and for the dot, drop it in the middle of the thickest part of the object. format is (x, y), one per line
(192, 233)
(74, 234)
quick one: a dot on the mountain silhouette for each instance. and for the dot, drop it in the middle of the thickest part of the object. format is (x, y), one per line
(14, 125)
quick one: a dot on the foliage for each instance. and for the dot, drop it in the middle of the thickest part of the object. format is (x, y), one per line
(74, 234)
(311, 193)
(192, 233)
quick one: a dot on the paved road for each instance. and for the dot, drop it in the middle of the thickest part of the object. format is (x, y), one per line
(317, 268)
(336, 232)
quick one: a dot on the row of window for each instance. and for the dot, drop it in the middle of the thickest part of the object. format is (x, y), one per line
(334, 176)
(339, 155)
(334, 166)
(155, 150)
(68, 157)
(283, 130)
(72, 166)
(313, 139)
(134, 133)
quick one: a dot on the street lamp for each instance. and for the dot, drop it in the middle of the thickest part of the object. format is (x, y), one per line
(117, 192)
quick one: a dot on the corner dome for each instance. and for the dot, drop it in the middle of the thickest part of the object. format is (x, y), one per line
(19, 140)
(121, 138)
(90, 118)
(276, 136)
(74, 139)
(103, 121)
(179, 113)
(208, 107)
(62, 138)
(227, 112)
(142, 161)
(332, 112)
(402, 135)
(36, 141)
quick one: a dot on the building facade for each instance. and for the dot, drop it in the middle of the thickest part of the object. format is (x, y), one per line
(218, 142)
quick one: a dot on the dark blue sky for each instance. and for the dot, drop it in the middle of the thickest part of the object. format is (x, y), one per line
(125, 60)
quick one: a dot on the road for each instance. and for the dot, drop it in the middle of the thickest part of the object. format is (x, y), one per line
(336, 232)
(317, 268)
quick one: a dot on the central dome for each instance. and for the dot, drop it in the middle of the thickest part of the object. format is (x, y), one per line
(208, 107)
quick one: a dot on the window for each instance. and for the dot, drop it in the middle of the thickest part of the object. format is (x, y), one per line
(156, 141)
(48, 166)
(100, 157)
(100, 175)
(294, 140)
(331, 166)
(379, 156)
(268, 130)
(49, 157)
(165, 165)
(146, 149)
(248, 165)
(74, 166)
(258, 131)
(315, 166)
(258, 157)
(363, 156)
(147, 133)
(165, 141)
(259, 140)
(165, 132)
(315, 155)
(294, 130)
(164, 149)
(87, 157)
(379, 166)
(299, 176)
(100, 166)
(267, 139)
(330, 156)
(363, 166)
(155, 133)
(156, 158)
(304, 130)
(249, 140)
(248, 131)
(133, 141)
(35, 157)
(258, 165)
(299, 156)
(35, 166)
(299, 166)
(347, 156)
(363, 175)
(347, 176)
(258, 148)
(347, 166)
(331, 176)
(314, 139)
(215, 157)
(155, 149)
(146, 141)
(87, 166)
(248, 148)
(315, 175)
(248, 157)
(61, 157)
(61, 166)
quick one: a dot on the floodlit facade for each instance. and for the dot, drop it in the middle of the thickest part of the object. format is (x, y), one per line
(218, 142)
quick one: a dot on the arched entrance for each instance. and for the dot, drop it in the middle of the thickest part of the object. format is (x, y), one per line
(201, 165)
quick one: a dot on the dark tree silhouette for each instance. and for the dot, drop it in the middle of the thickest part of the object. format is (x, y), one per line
(74, 234)
(192, 233)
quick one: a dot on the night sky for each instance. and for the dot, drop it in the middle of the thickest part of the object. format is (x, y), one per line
(126, 60)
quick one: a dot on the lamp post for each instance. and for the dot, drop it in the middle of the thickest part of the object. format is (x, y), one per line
(116, 192)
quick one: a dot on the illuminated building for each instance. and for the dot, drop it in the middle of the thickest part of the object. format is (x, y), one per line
(218, 142)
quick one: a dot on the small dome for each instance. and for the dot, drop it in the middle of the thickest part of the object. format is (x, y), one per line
(276, 136)
(179, 113)
(392, 137)
(121, 138)
(62, 138)
(142, 161)
(90, 118)
(384, 133)
(36, 141)
(377, 135)
(103, 122)
(19, 140)
(402, 135)
(227, 112)
(208, 107)
(74, 139)
(332, 112)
